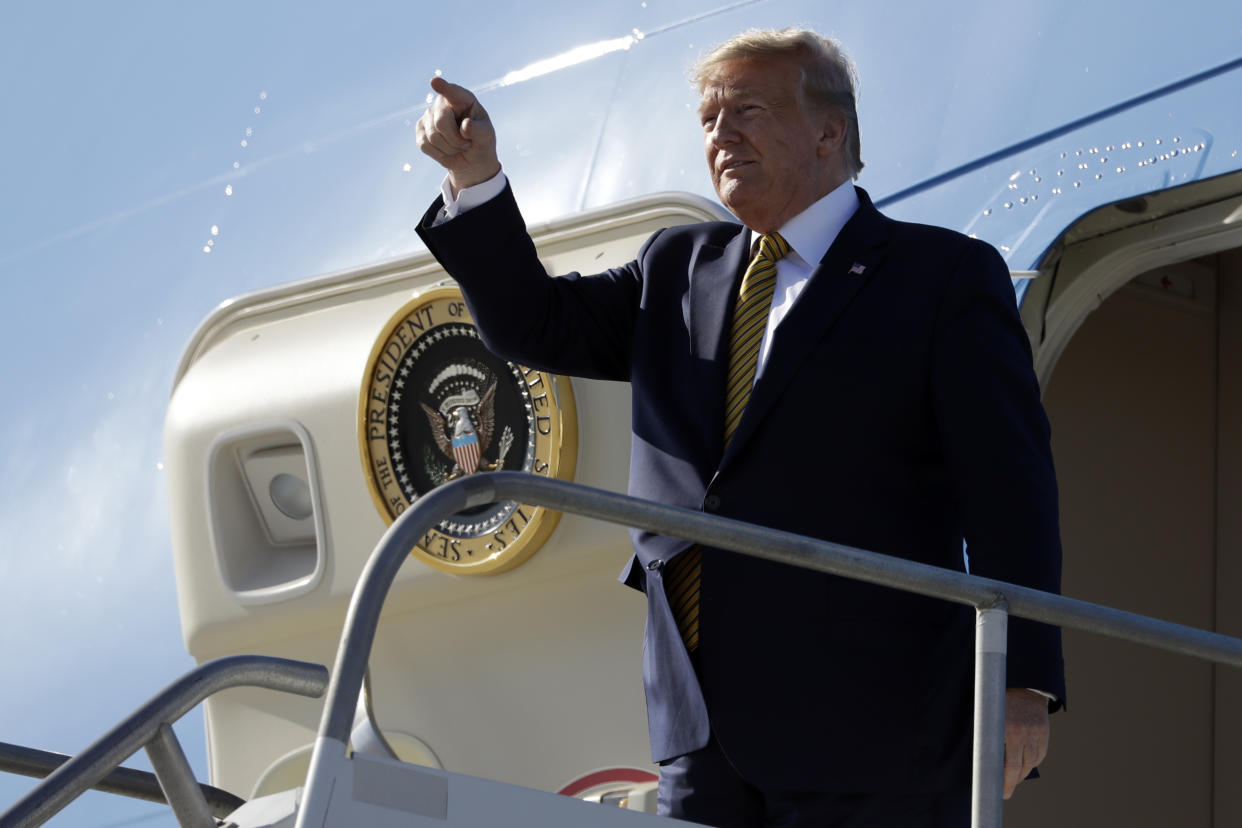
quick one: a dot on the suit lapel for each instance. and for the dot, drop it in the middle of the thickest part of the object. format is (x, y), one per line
(850, 263)
(714, 276)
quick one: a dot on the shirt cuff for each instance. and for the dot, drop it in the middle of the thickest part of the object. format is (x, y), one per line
(468, 197)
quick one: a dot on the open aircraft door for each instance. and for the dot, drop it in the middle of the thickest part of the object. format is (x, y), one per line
(1135, 316)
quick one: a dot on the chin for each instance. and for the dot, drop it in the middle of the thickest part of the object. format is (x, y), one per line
(734, 202)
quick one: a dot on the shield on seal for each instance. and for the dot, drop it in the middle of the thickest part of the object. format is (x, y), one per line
(465, 442)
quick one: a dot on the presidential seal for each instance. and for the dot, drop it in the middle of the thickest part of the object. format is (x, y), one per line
(437, 405)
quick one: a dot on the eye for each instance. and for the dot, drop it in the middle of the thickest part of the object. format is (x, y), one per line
(708, 120)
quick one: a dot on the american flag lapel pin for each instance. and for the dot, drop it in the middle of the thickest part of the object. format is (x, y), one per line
(858, 268)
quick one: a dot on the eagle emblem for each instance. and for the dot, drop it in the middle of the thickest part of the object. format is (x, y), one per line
(436, 405)
(464, 439)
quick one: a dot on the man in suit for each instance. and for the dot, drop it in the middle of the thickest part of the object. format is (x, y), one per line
(821, 369)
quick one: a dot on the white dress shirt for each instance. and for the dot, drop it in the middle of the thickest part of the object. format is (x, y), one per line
(809, 234)
(468, 197)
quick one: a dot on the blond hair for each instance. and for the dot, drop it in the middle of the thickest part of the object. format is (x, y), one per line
(828, 77)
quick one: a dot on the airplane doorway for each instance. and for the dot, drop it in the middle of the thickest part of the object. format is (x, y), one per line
(1146, 410)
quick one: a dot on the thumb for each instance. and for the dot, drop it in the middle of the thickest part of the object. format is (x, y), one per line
(477, 127)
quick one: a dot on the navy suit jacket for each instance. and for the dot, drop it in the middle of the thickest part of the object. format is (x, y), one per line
(897, 412)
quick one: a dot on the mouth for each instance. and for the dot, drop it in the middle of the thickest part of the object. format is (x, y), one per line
(729, 166)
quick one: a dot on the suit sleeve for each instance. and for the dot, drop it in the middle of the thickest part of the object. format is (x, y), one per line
(569, 325)
(996, 442)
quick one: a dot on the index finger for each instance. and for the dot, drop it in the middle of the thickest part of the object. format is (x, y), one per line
(459, 98)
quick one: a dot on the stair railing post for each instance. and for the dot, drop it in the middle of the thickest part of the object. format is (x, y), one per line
(176, 777)
(988, 775)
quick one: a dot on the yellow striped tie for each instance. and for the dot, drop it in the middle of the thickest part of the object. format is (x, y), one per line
(750, 320)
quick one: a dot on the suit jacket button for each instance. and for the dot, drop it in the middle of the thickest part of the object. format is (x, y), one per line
(711, 503)
(655, 566)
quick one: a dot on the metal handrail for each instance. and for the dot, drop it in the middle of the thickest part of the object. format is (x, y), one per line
(123, 781)
(993, 601)
(149, 727)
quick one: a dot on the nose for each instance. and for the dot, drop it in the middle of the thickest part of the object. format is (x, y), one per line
(722, 132)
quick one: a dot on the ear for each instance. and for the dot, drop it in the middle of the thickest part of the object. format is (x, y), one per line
(833, 127)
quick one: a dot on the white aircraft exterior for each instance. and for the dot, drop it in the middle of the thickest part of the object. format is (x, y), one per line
(1095, 145)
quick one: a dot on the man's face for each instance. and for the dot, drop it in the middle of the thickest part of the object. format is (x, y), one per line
(770, 154)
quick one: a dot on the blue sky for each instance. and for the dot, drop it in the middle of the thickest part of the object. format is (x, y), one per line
(162, 157)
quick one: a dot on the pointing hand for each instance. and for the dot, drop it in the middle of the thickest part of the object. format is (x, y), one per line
(457, 134)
